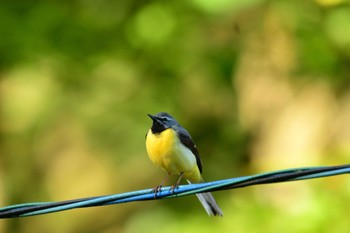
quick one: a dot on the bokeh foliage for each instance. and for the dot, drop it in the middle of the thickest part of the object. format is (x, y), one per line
(261, 85)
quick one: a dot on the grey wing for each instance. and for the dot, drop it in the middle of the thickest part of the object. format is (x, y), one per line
(186, 139)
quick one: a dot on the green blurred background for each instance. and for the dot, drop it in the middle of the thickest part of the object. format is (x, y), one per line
(260, 85)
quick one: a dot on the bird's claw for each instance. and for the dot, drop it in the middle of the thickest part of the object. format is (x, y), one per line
(173, 187)
(156, 190)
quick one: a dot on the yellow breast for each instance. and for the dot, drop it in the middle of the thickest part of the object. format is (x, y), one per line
(160, 146)
(167, 152)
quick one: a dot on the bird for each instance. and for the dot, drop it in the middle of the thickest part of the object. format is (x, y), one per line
(171, 148)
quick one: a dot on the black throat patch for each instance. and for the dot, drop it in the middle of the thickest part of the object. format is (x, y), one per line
(157, 127)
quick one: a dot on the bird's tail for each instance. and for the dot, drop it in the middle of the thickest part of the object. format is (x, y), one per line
(208, 202)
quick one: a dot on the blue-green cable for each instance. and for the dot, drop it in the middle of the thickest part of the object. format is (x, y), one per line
(37, 208)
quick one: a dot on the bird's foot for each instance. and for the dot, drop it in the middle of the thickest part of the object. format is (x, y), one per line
(156, 190)
(173, 187)
(176, 185)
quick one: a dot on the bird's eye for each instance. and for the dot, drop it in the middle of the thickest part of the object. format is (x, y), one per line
(164, 119)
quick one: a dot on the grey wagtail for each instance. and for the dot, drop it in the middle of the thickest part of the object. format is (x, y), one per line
(170, 147)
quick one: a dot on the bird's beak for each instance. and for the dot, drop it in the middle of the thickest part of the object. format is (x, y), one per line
(154, 118)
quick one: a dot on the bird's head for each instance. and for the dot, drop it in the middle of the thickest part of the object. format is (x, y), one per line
(162, 121)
